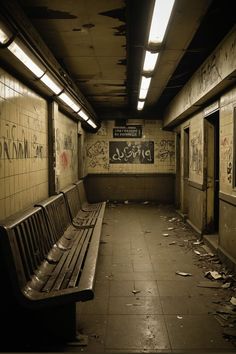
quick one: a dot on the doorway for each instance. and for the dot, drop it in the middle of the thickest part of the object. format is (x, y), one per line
(212, 172)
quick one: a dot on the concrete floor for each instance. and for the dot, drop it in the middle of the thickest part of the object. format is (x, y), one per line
(141, 304)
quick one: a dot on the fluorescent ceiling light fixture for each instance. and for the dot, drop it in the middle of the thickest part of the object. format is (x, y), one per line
(69, 101)
(150, 61)
(160, 18)
(90, 122)
(142, 94)
(145, 83)
(51, 83)
(83, 115)
(140, 105)
(3, 37)
(20, 53)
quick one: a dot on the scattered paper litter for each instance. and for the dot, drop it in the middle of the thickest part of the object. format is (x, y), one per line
(172, 219)
(197, 252)
(165, 235)
(198, 242)
(126, 202)
(183, 274)
(136, 291)
(146, 202)
(214, 274)
(170, 228)
(226, 285)
(180, 317)
(233, 301)
(172, 243)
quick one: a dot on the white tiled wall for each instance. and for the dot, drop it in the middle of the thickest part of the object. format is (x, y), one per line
(66, 151)
(23, 146)
(97, 149)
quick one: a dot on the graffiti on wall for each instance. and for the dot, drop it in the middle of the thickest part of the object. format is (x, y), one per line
(166, 150)
(131, 152)
(97, 154)
(196, 152)
(227, 156)
(14, 144)
(209, 73)
(66, 149)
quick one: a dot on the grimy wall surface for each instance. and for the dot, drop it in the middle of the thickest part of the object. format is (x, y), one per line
(24, 143)
(23, 146)
(189, 112)
(134, 168)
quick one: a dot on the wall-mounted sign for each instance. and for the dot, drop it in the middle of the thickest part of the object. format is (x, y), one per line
(132, 131)
(131, 152)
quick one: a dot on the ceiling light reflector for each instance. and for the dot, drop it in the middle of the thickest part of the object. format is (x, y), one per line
(83, 115)
(51, 83)
(69, 101)
(19, 52)
(90, 122)
(160, 18)
(3, 37)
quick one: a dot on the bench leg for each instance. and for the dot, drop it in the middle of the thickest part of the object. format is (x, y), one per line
(59, 322)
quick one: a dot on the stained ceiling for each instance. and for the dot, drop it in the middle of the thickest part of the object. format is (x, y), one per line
(100, 44)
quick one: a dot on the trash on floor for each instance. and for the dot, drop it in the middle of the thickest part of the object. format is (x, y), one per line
(146, 202)
(233, 301)
(136, 291)
(198, 242)
(81, 340)
(170, 228)
(165, 235)
(172, 243)
(183, 274)
(126, 202)
(212, 274)
(226, 285)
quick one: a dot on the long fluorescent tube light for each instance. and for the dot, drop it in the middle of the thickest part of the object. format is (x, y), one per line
(48, 80)
(83, 115)
(69, 101)
(140, 105)
(160, 18)
(150, 60)
(90, 122)
(142, 94)
(20, 53)
(145, 83)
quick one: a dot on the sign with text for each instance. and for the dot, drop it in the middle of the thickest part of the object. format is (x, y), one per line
(131, 152)
(132, 131)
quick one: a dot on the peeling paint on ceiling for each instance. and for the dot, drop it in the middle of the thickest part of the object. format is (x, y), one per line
(43, 12)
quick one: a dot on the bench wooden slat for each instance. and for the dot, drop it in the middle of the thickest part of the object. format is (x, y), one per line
(73, 252)
(78, 262)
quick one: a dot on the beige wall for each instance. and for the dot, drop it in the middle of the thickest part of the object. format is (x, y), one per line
(207, 81)
(196, 152)
(227, 103)
(97, 150)
(66, 135)
(23, 146)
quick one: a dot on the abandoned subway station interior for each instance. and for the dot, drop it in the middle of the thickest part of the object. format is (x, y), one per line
(118, 176)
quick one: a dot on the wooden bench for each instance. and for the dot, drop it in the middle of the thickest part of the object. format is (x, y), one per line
(80, 217)
(50, 262)
(85, 205)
